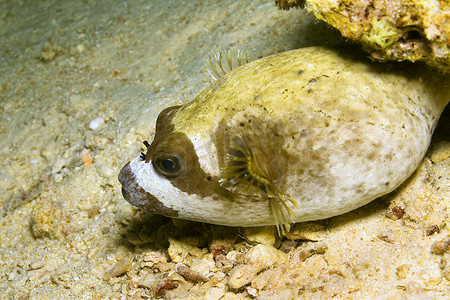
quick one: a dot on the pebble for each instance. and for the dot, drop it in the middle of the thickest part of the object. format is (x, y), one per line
(265, 235)
(214, 294)
(257, 259)
(311, 231)
(441, 246)
(190, 274)
(120, 268)
(96, 123)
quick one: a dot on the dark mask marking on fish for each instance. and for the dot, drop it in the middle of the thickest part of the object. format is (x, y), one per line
(189, 176)
(137, 196)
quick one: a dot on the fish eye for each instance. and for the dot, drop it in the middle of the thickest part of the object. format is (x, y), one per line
(168, 165)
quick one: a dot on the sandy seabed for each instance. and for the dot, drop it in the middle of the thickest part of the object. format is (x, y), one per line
(81, 84)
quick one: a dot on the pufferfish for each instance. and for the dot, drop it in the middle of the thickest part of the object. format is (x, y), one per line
(297, 136)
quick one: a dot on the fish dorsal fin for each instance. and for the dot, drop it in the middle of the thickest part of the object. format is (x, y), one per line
(218, 64)
(246, 172)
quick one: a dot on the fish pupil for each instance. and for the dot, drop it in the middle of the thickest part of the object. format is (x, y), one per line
(168, 164)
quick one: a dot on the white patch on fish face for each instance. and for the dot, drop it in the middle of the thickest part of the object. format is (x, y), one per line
(153, 183)
(207, 154)
(195, 207)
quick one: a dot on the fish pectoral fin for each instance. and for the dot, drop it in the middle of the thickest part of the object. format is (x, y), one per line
(244, 172)
(248, 172)
(282, 213)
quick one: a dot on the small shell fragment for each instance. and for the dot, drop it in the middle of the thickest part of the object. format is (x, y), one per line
(257, 259)
(190, 274)
(119, 268)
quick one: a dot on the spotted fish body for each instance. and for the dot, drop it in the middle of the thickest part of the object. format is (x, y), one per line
(301, 135)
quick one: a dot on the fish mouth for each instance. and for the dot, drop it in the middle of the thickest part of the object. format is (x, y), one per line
(137, 196)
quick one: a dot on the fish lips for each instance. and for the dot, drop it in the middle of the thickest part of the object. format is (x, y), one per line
(137, 196)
